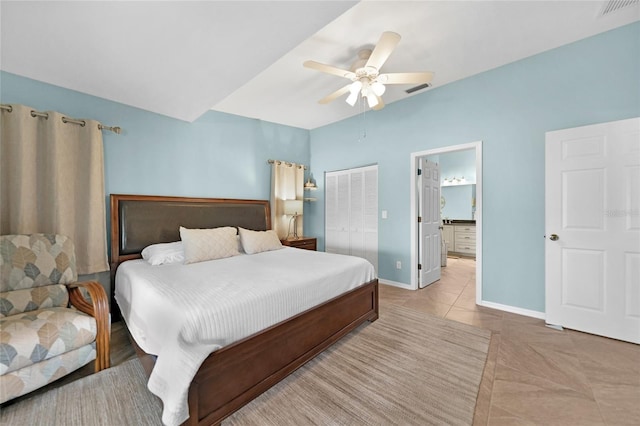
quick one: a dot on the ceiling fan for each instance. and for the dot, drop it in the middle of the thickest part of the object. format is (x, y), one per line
(365, 76)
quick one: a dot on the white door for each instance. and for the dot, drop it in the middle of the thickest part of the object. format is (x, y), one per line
(592, 227)
(430, 241)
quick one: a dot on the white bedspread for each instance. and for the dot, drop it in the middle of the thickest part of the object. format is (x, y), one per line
(182, 313)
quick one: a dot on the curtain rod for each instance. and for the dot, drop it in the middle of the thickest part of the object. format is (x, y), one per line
(82, 123)
(286, 163)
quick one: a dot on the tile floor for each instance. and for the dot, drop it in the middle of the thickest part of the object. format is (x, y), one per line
(534, 375)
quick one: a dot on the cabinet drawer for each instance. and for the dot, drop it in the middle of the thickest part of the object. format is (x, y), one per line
(466, 247)
(303, 243)
(466, 237)
(465, 234)
(308, 245)
(460, 228)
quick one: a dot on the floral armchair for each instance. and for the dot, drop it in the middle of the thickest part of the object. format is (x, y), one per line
(48, 325)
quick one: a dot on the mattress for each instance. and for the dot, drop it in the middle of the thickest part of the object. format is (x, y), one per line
(182, 313)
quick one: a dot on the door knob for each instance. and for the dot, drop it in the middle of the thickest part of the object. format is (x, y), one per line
(554, 237)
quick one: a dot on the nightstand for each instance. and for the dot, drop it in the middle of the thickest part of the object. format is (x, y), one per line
(306, 243)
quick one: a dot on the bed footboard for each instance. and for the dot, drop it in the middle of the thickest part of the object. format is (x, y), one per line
(233, 376)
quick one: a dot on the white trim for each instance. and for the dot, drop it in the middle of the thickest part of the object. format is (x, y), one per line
(413, 166)
(513, 309)
(395, 284)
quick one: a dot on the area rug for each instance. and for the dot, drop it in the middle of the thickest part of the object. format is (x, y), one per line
(406, 368)
(116, 396)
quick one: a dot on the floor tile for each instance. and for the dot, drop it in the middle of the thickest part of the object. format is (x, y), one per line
(466, 301)
(437, 294)
(542, 361)
(619, 404)
(477, 317)
(429, 306)
(530, 398)
(453, 285)
(607, 361)
(536, 333)
(393, 295)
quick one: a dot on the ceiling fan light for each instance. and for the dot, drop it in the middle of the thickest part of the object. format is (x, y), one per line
(352, 98)
(372, 100)
(378, 88)
(355, 87)
(366, 89)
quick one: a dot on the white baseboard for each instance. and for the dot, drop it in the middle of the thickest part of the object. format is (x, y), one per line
(395, 284)
(513, 309)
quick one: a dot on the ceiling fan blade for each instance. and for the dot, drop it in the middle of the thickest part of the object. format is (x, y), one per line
(328, 69)
(335, 94)
(388, 41)
(405, 78)
(380, 104)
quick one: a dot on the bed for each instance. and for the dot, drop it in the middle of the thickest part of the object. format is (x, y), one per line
(234, 374)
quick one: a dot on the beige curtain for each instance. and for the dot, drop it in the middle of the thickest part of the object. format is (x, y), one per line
(287, 180)
(52, 181)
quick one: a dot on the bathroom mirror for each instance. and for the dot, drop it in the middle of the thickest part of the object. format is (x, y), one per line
(459, 202)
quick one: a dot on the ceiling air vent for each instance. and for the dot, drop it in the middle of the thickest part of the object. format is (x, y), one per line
(422, 86)
(615, 5)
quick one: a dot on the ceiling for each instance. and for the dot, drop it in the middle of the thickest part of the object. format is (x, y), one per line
(181, 59)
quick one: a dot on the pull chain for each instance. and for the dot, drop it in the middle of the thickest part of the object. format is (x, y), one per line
(364, 119)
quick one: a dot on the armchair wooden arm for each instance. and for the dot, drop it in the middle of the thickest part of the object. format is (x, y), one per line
(99, 309)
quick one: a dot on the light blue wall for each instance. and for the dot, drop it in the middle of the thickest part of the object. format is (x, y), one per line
(509, 109)
(458, 164)
(218, 155)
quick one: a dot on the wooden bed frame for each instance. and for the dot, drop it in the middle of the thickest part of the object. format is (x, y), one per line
(234, 375)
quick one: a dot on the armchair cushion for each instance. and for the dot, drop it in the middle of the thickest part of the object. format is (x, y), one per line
(36, 260)
(32, 299)
(32, 337)
(35, 376)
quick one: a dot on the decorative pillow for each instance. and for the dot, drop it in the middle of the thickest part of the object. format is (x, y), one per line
(165, 253)
(209, 244)
(259, 241)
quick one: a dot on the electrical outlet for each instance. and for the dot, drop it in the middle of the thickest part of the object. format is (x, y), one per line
(398, 265)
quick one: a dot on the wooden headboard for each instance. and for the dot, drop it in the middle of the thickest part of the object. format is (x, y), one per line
(140, 220)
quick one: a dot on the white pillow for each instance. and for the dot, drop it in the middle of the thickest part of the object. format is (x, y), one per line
(164, 253)
(259, 241)
(209, 244)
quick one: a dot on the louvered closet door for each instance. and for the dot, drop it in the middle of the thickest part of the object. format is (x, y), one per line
(370, 215)
(351, 213)
(356, 213)
(337, 213)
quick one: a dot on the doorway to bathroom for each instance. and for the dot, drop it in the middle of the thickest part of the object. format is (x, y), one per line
(460, 176)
